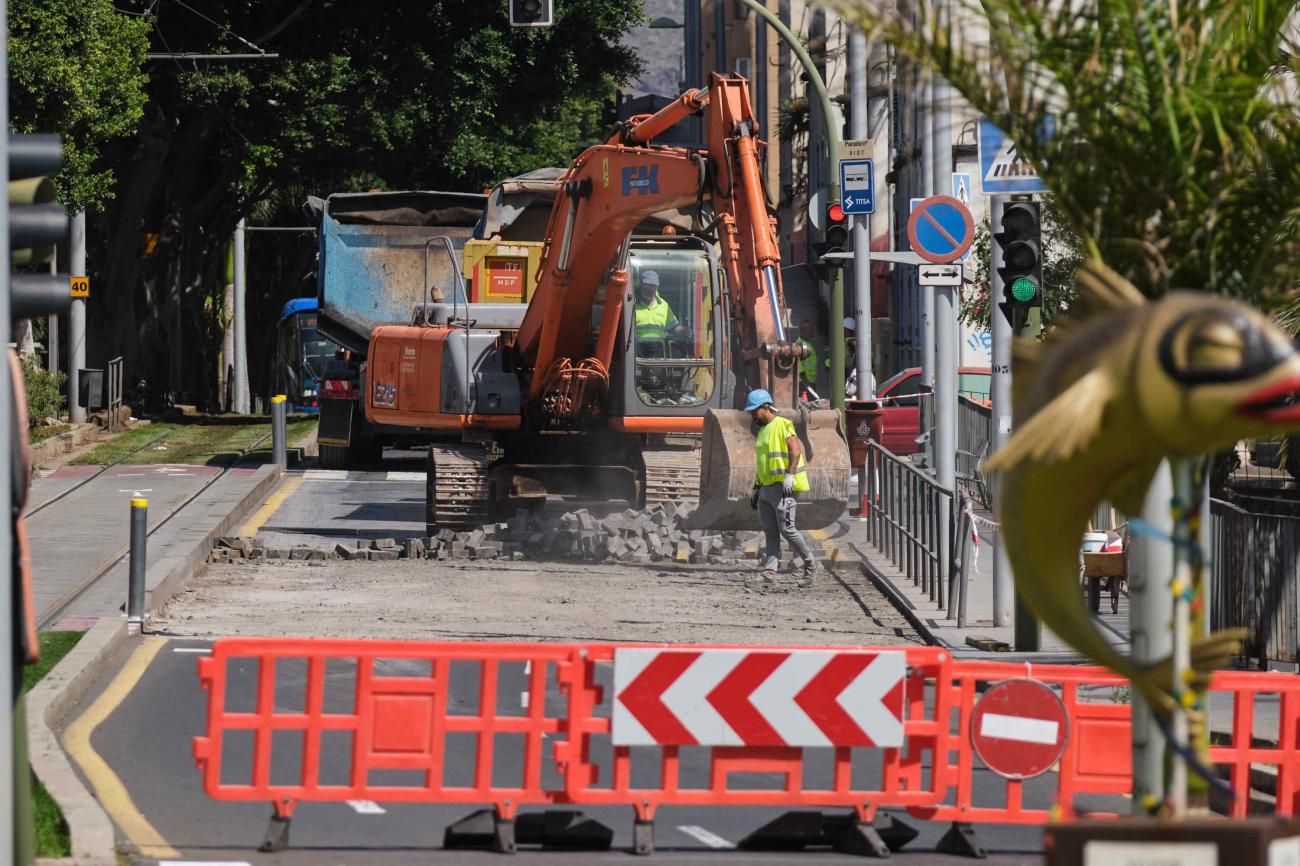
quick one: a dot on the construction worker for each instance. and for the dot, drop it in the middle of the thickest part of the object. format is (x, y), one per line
(779, 475)
(654, 318)
(808, 366)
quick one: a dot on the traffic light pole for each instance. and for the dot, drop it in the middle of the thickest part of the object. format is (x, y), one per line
(77, 320)
(1004, 591)
(8, 615)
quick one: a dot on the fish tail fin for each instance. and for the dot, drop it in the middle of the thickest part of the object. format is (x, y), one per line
(1155, 681)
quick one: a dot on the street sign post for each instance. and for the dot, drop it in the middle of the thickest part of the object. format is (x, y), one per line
(940, 275)
(1019, 729)
(1002, 168)
(857, 186)
(940, 229)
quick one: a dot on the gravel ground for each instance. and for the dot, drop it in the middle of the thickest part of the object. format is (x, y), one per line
(547, 601)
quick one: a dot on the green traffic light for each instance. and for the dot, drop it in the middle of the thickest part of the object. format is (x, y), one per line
(1023, 289)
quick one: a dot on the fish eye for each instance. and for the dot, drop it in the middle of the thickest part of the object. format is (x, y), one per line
(1216, 345)
(1206, 346)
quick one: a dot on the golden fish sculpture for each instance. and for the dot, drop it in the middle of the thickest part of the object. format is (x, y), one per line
(1098, 406)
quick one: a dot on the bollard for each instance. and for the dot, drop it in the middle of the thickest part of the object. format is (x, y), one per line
(135, 579)
(279, 449)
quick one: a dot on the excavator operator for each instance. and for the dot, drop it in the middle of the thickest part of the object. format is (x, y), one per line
(655, 320)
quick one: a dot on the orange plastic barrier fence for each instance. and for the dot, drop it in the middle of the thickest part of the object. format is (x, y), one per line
(1098, 755)
(525, 724)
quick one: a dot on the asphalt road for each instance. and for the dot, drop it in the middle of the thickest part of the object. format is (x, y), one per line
(147, 741)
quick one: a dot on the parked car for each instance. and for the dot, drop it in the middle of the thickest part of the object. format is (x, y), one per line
(901, 396)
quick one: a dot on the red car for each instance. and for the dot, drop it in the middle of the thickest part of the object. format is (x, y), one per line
(900, 396)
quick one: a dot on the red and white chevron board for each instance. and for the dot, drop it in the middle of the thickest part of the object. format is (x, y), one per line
(742, 697)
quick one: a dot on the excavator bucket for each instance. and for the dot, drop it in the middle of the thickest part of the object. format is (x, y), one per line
(727, 470)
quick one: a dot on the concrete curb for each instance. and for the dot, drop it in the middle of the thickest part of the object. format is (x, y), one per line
(64, 443)
(898, 600)
(62, 690)
(48, 704)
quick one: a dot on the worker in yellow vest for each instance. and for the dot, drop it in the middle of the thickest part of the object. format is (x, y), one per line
(779, 474)
(654, 318)
(808, 366)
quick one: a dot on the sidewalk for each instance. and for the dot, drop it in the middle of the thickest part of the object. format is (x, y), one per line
(938, 629)
(941, 630)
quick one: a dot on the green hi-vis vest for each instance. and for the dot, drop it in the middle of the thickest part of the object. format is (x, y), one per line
(771, 457)
(652, 322)
(808, 366)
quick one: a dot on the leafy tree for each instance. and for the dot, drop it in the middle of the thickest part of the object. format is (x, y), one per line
(393, 95)
(75, 69)
(1061, 257)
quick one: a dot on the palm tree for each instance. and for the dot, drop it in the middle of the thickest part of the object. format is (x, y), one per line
(1167, 132)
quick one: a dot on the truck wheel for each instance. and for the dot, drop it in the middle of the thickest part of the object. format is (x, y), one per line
(334, 456)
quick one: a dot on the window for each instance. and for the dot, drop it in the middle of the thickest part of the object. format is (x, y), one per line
(672, 326)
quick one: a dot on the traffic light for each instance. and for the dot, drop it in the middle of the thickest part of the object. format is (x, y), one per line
(36, 224)
(1021, 241)
(531, 13)
(835, 237)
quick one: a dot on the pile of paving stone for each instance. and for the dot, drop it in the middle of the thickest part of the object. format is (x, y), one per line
(630, 536)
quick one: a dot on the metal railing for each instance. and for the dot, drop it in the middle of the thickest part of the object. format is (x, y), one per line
(1254, 563)
(974, 435)
(115, 394)
(903, 522)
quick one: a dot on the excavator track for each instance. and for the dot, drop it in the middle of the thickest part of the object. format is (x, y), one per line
(457, 493)
(671, 475)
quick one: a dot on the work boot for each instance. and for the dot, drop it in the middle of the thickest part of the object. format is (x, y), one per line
(805, 578)
(764, 581)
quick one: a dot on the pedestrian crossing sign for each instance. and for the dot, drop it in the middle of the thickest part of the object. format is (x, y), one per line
(1002, 168)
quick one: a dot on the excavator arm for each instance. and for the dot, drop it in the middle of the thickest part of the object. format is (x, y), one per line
(608, 190)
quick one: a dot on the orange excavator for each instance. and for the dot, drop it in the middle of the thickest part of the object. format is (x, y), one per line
(657, 306)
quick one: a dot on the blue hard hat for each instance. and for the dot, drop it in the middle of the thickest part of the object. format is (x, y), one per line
(758, 398)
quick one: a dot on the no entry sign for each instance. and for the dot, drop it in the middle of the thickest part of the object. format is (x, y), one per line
(940, 229)
(1019, 729)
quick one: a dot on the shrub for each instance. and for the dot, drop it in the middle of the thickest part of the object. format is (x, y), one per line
(43, 397)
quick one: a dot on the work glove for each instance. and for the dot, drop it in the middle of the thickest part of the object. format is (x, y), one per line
(753, 499)
(787, 485)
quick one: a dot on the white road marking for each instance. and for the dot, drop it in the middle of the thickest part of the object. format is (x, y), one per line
(713, 840)
(1019, 728)
(404, 476)
(523, 699)
(326, 475)
(366, 807)
(192, 649)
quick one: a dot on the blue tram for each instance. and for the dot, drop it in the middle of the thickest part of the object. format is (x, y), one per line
(300, 356)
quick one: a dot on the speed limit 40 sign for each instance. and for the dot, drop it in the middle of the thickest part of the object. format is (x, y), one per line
(80, 287)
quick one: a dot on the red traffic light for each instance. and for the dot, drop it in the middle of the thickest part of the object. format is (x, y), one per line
(835, 213)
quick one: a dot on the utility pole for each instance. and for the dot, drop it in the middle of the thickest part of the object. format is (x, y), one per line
(77, 319)
(925, 188)
(944, 299)
(1150, 615)
(860, 129)
(832, 136)
(241, 334)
